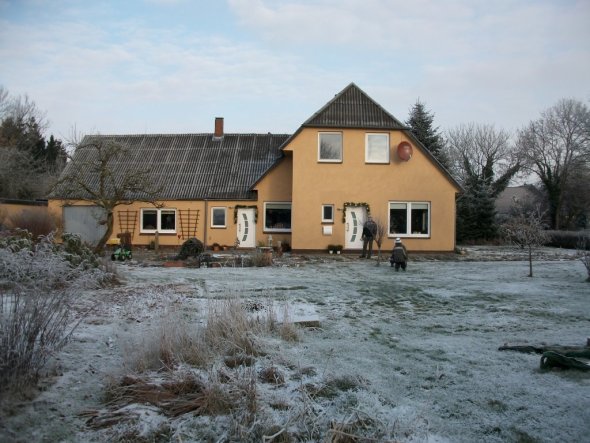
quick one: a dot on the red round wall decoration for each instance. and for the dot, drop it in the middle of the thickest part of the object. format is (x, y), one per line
(404, 151)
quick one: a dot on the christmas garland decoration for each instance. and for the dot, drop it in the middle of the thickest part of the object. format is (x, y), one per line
(347, 204)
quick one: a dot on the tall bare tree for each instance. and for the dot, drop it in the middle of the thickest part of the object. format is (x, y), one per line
(483, 160)
(556, 147)
(94, 174)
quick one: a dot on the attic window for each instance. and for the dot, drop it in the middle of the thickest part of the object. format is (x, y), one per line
(377, 148)
(330, 147)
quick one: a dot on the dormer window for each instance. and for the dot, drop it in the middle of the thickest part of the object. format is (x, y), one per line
(330, 147)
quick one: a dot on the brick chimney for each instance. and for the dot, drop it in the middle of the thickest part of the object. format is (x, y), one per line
(218, 127)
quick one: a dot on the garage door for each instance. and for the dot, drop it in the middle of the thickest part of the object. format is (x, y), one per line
(84, 221)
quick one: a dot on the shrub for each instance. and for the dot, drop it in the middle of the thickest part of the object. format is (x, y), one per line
(192, 247)
(38, 282)
(36, 222)
(261, 259)
(568, 239)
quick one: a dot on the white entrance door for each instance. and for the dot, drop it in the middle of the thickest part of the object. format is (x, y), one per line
(246, 228)
(355, 218)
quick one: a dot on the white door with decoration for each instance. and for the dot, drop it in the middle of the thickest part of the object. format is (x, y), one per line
(246, 228)
(355, 218)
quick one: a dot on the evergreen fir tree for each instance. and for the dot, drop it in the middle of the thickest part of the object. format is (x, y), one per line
(421, 122)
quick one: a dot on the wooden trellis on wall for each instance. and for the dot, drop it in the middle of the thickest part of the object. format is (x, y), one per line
(127, 221)
(189, 221)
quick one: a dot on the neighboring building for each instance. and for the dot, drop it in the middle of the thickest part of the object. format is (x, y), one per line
(505, 203)
(311, 189)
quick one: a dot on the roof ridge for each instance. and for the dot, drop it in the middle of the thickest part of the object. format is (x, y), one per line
(358, 110)
(189, 134)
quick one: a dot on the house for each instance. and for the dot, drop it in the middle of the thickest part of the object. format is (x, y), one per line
(310, 189)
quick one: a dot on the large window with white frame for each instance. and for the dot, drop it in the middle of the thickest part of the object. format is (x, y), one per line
(277, 217)
(330, 147)
(411, 219)
(158, 220)
(327, 213)
(218, 217)
(377, 148)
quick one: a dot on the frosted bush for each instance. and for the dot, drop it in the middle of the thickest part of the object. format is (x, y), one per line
(38, 283)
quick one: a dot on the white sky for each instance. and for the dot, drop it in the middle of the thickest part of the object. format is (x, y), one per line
(165, 66)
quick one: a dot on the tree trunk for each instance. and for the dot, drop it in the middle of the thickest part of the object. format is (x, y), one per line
(100, 245)
(530, 261)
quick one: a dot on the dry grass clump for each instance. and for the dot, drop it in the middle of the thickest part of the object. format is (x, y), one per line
(272, 375)
(230, 330)
(261, 259)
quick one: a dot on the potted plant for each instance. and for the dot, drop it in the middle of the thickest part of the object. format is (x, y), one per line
(338, 249)
(215, 246)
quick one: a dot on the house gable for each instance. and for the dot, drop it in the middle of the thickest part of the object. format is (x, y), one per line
(353, 108)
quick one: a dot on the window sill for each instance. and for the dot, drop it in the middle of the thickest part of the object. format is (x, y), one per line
(154, 233)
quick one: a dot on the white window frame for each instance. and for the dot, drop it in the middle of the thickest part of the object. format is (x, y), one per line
(409, 219)
(266, 229)
(327, 220)
(368, 136)
(330, 160)
(158, 228)
(218, 208)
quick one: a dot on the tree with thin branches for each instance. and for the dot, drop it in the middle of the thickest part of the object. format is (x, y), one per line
(380, 234)
(526, 229)
(556, 148)
(483, 160)
(94, 175)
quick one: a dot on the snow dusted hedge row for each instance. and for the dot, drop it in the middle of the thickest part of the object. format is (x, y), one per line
(569, 239)
(38, 283)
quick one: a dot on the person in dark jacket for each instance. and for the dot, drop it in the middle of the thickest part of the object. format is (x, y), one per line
(399, 255)
(369, 232)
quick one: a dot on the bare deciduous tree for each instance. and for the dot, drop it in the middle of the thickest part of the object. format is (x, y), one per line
(380, 234)
(555, 147)
(483, 159)
(94, 175)
(526, 229)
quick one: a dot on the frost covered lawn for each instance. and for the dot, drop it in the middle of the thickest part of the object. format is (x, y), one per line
(398, 356)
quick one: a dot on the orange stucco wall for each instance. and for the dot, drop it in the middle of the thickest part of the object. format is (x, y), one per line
(11, 211)
(316, 183)
(276, 186)
(299, 178)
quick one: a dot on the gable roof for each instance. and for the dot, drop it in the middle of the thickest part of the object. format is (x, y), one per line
(186, 166)
(353, 108)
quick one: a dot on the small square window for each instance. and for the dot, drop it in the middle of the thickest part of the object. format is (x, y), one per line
(167, 220)
(149, 220)
(218, 217)
(377, 148)
(330, 147)
(328, 213)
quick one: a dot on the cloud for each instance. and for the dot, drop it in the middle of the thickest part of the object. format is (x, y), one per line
(80, 71)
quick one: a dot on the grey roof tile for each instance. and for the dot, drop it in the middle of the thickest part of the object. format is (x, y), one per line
(188, 166)
(353, 108)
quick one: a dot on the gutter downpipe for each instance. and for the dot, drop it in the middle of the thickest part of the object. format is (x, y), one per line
(205, 219)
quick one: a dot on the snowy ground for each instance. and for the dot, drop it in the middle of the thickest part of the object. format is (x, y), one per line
(422, 347)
